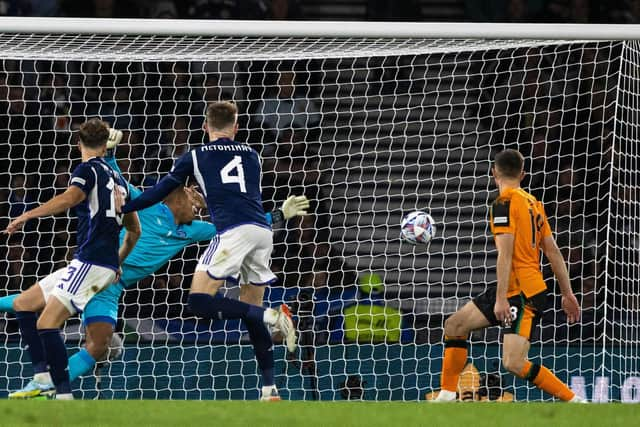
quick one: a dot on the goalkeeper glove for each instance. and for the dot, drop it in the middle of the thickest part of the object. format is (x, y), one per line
(295, 206)
(115, 136)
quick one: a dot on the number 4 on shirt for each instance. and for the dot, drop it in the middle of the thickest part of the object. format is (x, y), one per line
(238, 178)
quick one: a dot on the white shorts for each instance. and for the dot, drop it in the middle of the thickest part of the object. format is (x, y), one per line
(75, 284)
(241, 253)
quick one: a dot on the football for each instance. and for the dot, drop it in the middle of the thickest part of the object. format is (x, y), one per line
(417, 228)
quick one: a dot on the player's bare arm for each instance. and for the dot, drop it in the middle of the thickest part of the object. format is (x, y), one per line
(131, 224)
(61, 203)
(570, 303)
(504, 244)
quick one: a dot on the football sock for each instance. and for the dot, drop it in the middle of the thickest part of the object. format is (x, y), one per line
(208, 307)
(263, 348)
(27, 324)
(454, 361)
(80, 363)
(545, 380)
(65, 396)
(6, 303)
(56, 354)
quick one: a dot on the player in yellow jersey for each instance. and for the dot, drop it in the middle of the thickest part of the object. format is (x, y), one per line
(520, 229)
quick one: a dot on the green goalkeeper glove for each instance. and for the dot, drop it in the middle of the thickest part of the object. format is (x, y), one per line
(115, 136)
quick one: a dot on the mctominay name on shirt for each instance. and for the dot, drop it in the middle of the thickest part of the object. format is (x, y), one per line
(225, 147)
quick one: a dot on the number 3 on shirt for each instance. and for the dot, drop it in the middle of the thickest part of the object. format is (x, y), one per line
(236, 164)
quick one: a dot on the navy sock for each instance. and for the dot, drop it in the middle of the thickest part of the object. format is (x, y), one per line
(208, 307)
(56, 354)
(263, 348)
(27, 322)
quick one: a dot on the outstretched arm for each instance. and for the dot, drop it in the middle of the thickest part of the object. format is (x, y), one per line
(111, 161)
(153, 195)
(115, 136)
(181, 171)
(62, 202)
(569, 301)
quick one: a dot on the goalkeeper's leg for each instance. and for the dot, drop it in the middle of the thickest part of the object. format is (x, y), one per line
(99, 317)
(98, 338)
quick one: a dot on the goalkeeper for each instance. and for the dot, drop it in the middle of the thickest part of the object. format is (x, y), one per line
(167, 228)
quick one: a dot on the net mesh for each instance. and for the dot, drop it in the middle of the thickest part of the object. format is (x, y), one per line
(369, 129)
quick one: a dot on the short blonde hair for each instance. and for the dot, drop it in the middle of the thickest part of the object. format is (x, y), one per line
(221, 115)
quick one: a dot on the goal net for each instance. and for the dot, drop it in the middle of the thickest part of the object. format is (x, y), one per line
(369, 129)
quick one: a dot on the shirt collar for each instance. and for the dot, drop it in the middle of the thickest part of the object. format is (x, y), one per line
(223, 140)
(508, 192)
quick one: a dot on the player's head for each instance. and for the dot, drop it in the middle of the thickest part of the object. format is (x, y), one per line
(222, 118)
(508, 166)
(94, 134)
(181, 205)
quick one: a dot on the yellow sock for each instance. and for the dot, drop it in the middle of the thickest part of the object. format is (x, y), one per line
(545, 380)
(455, 359)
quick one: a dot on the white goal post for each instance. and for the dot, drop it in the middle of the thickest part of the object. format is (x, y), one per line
(370, 120)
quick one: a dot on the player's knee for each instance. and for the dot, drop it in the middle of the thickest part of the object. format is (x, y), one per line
(19, 305)
(23, 303)
(454, 326)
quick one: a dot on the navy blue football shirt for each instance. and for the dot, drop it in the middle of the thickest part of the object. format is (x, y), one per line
(98, 222)
(229, 175)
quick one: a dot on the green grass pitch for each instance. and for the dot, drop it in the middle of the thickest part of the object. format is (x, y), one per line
(141, 413)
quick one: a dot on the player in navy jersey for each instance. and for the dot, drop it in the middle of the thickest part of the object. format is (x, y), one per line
(173, 223)
(96, 193)
(229, 175)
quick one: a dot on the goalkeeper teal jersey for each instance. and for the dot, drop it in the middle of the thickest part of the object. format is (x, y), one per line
(160, 241)
(161, 238)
